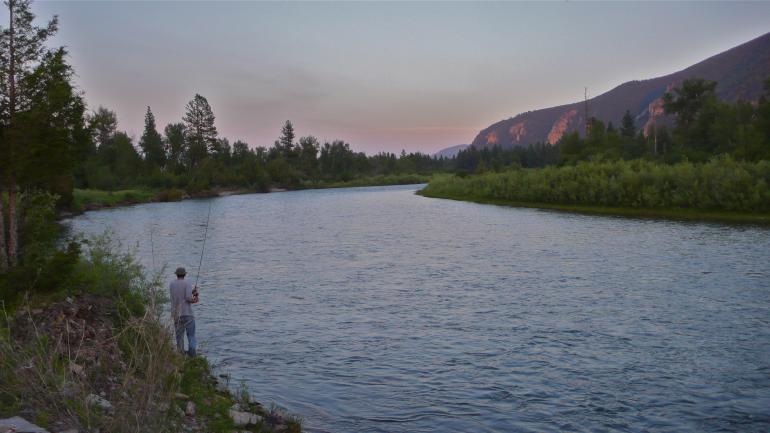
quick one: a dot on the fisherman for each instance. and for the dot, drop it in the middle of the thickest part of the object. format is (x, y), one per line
(183, 295)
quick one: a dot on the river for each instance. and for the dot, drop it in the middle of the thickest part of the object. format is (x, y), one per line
(377, 310)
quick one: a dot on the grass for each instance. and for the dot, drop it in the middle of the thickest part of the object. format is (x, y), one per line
(85, 198)
(651, 213)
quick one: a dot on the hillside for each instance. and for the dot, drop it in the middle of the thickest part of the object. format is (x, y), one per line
(739, 72)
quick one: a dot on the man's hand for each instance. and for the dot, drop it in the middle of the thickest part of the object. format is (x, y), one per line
(195, 295)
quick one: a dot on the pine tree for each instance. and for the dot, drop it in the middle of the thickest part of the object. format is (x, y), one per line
(627, 126)
(21, 50)
(151, 143)
(201, 134)
(287, 140)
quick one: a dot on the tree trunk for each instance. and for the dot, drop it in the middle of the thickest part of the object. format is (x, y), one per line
(3, 253)
(13, 229)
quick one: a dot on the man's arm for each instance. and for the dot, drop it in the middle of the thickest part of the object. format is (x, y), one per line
(188, 294)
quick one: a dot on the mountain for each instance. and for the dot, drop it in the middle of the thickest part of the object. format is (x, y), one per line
(450, 152)
(740, 73)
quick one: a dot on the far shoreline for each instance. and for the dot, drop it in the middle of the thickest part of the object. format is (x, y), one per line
(671, 214)
(85, 200)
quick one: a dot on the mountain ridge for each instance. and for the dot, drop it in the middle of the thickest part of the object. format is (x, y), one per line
(739, 73)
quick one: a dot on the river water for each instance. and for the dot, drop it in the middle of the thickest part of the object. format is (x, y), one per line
(377, 310)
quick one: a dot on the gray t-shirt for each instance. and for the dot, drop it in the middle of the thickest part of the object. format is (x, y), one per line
(181, 297)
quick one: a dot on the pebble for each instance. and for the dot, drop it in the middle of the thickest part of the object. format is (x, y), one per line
(99, 401)
(190, 409)
(18, 424)
(241, 419)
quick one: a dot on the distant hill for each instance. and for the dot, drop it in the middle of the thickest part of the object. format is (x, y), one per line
(740, 73)
(450, 152)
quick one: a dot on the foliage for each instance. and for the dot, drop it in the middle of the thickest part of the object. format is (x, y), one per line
(720, 184)
(90, 198)
(151, 143)
(201, 134)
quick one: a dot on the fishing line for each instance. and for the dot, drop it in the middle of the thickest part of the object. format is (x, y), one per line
(152, 249)
(203, 248)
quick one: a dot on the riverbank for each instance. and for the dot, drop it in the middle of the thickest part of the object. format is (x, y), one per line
(94, 199)
(406, 179)
(671, 214)
(720, 190)
(98, 355)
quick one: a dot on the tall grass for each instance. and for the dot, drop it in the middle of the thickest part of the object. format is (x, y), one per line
(722, 184)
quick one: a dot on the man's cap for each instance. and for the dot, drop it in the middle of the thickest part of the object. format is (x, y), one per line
(180, 272)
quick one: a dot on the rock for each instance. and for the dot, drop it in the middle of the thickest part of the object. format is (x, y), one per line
(280, 428)
(72, 430)
(18, 424)
(241, 419)
(164, 406)
(222, 387)
(181, 396)
(77, 370)
(189, 410)
(99, 401)
(179, 411)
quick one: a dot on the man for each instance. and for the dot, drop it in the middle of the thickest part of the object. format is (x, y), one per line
(183, 295)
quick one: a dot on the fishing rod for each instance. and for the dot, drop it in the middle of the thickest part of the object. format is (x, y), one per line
(203, 248)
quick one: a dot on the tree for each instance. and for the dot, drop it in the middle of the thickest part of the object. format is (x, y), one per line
(287, 140)
(175, 146)
(688, 99)
(201, 134)
(103, 124)
(627, 126)
(21, 50)
(240, 152)
(308, 158)
(51, 132)
(151, 143)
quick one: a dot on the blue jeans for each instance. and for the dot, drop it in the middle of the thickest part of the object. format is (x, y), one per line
(182, 325)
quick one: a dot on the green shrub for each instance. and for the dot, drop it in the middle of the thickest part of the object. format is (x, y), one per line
(721, 184)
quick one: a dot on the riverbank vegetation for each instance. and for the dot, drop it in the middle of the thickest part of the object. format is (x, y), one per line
(85, 344)
(718, 187)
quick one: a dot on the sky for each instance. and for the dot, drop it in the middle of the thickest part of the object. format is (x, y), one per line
(383, 76)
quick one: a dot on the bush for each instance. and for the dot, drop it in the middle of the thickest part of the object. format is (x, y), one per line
(172, 194)
(721, 184)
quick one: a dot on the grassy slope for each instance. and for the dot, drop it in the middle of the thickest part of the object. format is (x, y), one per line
(671, 213)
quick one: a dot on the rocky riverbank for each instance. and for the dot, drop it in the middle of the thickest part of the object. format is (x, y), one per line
(92, 363)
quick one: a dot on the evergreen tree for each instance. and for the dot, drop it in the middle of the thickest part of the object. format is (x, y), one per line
(201, 136)
(22, 50)
(627, 126)
(151, 143)
(287, 140)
